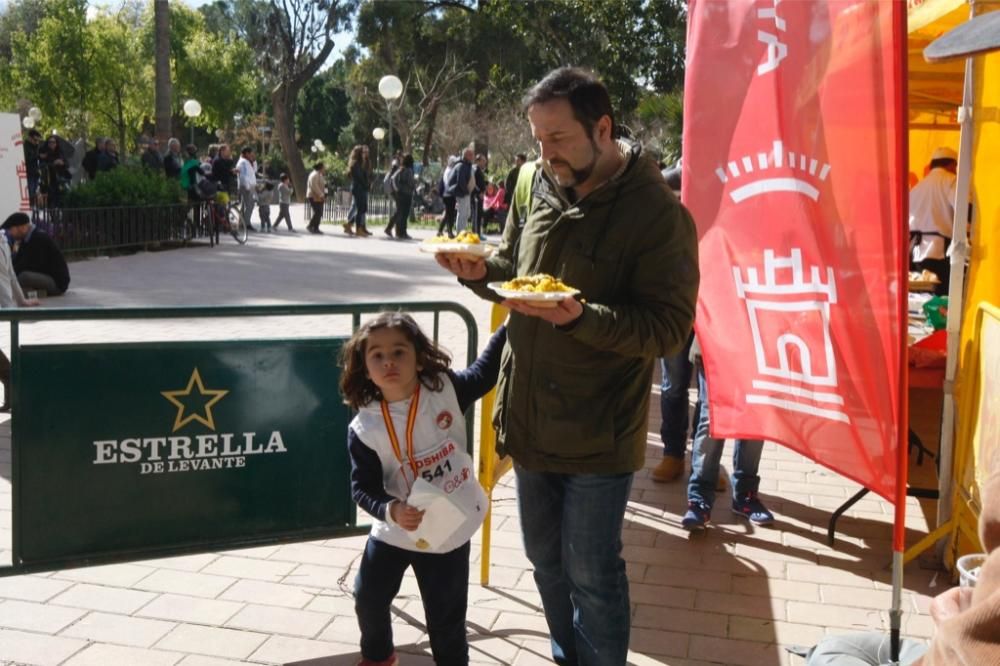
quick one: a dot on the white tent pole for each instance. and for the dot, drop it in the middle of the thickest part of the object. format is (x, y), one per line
(956, 289)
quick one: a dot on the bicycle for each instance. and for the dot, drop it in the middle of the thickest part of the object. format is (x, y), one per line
(226, 216)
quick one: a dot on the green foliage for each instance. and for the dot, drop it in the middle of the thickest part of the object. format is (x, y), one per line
(336, 167)
(661, 123)
(322, 110)
(125, 186)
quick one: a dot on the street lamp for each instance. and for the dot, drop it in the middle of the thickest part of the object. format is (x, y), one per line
(378, 134)
(192, 109)
(390, 87)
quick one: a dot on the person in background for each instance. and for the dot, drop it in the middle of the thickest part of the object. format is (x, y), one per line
(450, 210)
(188, 177)
(31, 163)
(705, 456)
(11, 296)
(932, 216)
(316, 195)
(511, 180)
(476, 197)
(39, 264)
(494, 206)
(359, 170)
(173, 161)
(403, 185)
(265, 192)
(92, 157)
(53, 171)
(284, 201)
(107, 160)
(151, 158)
(246, 171)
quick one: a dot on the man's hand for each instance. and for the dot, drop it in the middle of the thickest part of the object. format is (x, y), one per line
(406, 516)
(567, 311)
(470, 270)
(950, 603)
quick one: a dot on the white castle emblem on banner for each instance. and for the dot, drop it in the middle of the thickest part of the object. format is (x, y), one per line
(763, 183)
(795, 376)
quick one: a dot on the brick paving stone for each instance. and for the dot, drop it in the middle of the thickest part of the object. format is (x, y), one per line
(116, 575)
(31, 588)
(734, 652)
(19, 647)
(212, 641)
(99, 654)
(181, 563)
(185, 582)
(274, 594)
(272, 620)
(245, 567)
(37, 617)
(102, 598)
(288, 650)
(119, 629)
(190, 609)
(201, 660)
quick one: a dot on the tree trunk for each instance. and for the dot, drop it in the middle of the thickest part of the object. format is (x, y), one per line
(429, 136)
(282, 99)
(161, 15)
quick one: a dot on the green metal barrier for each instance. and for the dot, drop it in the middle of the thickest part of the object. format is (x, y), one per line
(129, 451)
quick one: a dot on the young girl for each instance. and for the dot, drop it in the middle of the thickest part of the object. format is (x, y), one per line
(410, 424)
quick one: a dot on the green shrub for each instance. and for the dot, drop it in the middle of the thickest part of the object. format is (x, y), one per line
(125, 186)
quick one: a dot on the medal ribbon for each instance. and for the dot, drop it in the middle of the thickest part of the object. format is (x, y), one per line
(411, 421)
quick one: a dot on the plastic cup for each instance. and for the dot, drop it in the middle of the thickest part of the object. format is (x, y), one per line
(968, 569)
(31, 295)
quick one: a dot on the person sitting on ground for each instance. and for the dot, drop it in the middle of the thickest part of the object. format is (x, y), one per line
(37, 261)
(967, 618)
(11, 296)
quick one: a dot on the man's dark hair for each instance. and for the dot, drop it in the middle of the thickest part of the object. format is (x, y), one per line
(521, 156)
(585, 93)
(246, 151)
(35, 134)
(944, 163)
(318, 166)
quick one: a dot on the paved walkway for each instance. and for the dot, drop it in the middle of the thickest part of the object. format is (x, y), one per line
(733, 596)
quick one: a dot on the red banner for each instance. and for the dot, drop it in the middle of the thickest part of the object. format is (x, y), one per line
(793, 171)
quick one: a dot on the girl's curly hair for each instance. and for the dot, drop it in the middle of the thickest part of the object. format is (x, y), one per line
(358, 390)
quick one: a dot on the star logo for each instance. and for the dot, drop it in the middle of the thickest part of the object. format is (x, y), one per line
(208, 398)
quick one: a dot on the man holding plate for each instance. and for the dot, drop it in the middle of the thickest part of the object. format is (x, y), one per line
(573, 396)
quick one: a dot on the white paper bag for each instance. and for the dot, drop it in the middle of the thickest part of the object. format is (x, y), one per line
(442, 517)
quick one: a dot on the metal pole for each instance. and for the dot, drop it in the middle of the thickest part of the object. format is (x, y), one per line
(388, 162)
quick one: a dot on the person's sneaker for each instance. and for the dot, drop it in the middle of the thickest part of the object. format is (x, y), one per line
(391, 661)
(669, 469)
(750, 507)
(697, 517)
(482, 238)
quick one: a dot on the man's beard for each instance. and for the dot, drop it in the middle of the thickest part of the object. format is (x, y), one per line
(579, 175)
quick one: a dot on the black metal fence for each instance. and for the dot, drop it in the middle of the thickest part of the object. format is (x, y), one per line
(338, 204)
(96, 229)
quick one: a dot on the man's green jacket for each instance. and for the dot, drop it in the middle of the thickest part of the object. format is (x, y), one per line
(576, 399)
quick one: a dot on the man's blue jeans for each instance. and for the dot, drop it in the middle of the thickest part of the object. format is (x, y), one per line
(676, 378)
(572, 526)
(706, 454)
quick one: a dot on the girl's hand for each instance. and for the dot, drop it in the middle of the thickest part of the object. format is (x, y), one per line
(406, 516)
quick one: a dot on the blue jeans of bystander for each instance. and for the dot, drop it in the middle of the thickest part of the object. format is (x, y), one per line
(706, 454)
(674, 403)
(572, 526)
